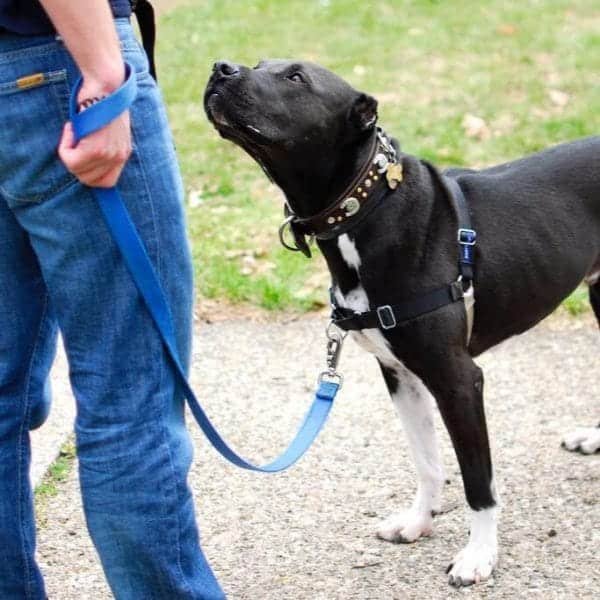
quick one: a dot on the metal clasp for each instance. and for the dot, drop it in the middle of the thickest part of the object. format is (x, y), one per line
(386, 143)
(335, 340)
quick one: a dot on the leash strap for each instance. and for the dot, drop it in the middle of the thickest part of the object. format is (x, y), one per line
(136, 258)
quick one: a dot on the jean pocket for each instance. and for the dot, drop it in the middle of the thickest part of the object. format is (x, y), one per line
(33, 109)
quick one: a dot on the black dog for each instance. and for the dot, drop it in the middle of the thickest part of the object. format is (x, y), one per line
(386, 223)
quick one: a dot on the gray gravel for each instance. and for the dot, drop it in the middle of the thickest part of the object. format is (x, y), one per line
(308, 533)
(46, 441)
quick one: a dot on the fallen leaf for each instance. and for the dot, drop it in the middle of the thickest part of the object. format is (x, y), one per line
(507, 29)
(558, 98)
(475, 127)
(195, 198)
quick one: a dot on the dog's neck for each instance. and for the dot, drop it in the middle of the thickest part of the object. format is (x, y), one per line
(405, 221)
(316, 181)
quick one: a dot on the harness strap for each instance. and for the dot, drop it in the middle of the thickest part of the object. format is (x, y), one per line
(466, 235)
(389, 316)
(136, 258)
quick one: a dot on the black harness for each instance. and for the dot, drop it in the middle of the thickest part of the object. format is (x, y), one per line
(389, 316)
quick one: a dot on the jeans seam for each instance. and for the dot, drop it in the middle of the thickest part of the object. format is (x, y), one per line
(37, 199)
(24, 422)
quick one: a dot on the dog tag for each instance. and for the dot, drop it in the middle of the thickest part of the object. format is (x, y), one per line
(394, 175)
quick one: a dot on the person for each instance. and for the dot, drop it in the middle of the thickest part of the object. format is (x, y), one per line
(60, 270)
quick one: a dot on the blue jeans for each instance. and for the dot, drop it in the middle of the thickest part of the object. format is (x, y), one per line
(60, 269)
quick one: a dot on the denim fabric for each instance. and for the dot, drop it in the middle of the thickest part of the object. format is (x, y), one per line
(58, 266)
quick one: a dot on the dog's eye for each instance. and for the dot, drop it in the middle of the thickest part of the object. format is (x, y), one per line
(296, 77)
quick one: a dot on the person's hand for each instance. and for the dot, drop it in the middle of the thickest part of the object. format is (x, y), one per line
(98, 159)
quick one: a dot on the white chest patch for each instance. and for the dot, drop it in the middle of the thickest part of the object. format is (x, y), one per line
(349, 251)
(356, 299)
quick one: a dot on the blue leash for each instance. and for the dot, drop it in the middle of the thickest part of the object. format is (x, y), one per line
(134, 254)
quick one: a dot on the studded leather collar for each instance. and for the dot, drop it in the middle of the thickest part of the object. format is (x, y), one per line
(381, 171)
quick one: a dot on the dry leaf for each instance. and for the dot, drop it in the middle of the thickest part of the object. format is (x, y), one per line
(558, 98)
(507, 29)
(475, 127)
(195, 198)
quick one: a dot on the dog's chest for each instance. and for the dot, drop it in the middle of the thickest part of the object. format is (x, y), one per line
(357, 300)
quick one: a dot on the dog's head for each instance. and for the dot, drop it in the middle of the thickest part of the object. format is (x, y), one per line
(302, 123)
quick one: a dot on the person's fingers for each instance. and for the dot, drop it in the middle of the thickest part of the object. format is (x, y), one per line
(85, 159)
(92, 174)
(106, 179)
(95, 156)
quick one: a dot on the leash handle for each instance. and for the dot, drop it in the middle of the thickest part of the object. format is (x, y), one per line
(138, 262)
(101, 113)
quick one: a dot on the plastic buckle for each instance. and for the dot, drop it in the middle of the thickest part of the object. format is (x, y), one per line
(467, 237)
(386, 317)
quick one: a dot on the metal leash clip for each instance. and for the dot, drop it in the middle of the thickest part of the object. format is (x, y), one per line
(386, 143)
(335, 340)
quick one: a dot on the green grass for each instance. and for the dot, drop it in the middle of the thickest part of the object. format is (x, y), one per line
(577, 303)
(56, 474)
(429, 63)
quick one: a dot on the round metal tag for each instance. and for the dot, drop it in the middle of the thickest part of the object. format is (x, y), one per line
(351, 206)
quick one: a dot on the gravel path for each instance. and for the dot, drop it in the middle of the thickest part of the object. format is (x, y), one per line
(308, 533)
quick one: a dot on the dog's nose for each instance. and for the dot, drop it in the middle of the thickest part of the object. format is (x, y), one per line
(226, 69)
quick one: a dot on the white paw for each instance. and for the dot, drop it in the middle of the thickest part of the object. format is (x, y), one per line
(406, 527)
(474, 563)
(584, 439)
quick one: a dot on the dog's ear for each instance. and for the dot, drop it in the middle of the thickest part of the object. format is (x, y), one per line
(363, 113)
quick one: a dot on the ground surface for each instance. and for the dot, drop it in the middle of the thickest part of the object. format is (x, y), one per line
(308, 534)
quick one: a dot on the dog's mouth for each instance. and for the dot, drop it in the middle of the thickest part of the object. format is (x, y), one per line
(230, 124)
(215, 110)
(231, 127)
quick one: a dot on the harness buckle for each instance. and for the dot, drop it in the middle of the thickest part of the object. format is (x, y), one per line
(387, 319)
(467, 237)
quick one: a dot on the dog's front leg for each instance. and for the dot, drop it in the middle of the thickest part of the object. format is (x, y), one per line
(414, 404)
(457, 385)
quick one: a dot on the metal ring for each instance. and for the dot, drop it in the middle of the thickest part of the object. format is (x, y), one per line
(339, 333)
(286, 223)
(331, 376)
